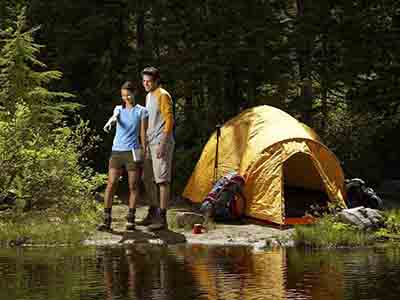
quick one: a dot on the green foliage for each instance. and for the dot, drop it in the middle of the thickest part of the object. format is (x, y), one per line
(329, 233)
(20, 81)
(43, 160)
(40, 157)
(332, 64)
(45, 170)
(392, 222)
(47, 227)
(391, 228)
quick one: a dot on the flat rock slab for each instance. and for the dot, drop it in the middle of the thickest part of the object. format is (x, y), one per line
(186, 219)
(216, 234)
(240, 235)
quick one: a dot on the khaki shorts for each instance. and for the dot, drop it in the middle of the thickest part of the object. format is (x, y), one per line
(162, 167)
(123, 159)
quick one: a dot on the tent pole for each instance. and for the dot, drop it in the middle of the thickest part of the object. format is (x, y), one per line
(218, 127)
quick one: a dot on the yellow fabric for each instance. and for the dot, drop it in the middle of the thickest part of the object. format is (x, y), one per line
(165, 103)
(258, 143)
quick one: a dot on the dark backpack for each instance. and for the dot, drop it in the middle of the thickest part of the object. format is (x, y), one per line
(220, 202)
(358, 194)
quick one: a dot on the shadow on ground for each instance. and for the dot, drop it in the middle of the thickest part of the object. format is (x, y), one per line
(141, 235)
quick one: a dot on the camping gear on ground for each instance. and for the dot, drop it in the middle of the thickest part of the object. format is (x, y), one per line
(197, 228)
(275, 153)
(221, 203)
(358, 194)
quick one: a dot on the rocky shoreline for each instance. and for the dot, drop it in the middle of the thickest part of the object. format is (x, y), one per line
(258, 236)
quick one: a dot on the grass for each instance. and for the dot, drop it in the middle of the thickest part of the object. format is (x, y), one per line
(46, 228)
(329, 233)
(391, 229)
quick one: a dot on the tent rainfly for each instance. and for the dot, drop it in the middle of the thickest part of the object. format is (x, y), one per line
(286, 166)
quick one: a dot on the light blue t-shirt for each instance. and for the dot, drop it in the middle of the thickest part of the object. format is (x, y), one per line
(128, 127)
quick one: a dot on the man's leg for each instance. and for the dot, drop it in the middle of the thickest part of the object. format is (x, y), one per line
(133, 180)
(151, 194)
(113, 175)
(162, 176)
(164, 194)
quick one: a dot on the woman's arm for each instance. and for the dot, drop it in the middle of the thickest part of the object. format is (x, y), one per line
(112, 120)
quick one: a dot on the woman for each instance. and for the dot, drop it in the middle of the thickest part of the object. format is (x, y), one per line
(127, 152)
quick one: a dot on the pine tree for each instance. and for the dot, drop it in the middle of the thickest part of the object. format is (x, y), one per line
(22, 78)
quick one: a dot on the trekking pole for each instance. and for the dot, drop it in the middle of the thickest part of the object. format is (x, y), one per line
(218, 127)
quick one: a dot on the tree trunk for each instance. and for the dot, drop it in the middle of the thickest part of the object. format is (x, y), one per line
(303, 60)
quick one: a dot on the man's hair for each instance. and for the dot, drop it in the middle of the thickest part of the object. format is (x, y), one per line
(153, 72)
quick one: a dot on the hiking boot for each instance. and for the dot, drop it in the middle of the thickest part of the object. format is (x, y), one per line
(106, 225)
(160, 221)
(130, 224)
(151, 214)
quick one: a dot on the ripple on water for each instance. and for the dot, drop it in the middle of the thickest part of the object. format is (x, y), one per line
(198, 272)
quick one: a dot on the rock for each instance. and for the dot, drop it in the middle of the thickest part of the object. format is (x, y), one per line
(20, 241)
(363, 218)
(260, 246)
(375, 216)
(188, 219)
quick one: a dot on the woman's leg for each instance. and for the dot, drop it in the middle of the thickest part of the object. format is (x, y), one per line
(133, 182)
(113, 175)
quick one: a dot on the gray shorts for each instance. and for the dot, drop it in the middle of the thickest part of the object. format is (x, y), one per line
(162, 167)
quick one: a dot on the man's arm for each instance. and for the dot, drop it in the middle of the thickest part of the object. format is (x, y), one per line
(167, 113)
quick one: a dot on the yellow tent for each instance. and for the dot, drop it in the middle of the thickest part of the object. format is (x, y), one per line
(283, 161)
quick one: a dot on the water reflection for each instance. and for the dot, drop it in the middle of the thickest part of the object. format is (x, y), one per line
(198, 272)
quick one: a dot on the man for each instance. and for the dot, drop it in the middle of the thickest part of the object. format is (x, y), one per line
(160, 142)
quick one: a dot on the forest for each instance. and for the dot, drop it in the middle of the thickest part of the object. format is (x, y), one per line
(334, 65)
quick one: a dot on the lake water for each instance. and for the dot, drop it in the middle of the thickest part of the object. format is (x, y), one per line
(198, 272)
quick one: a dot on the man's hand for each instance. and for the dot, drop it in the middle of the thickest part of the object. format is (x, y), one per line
(161, 150)
(145, 153)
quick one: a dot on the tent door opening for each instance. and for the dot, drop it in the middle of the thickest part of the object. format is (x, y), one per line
(303, 186)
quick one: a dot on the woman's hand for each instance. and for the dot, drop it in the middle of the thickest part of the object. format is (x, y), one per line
(108, 126)
(111, 122)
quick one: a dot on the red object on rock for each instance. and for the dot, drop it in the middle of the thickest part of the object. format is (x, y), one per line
(197, 228)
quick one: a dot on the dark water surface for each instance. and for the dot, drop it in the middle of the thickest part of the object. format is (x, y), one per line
(198, 272)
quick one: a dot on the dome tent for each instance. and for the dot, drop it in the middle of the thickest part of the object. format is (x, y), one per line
(285, 165)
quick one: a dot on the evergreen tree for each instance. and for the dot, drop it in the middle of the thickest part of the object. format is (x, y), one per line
(21, 80)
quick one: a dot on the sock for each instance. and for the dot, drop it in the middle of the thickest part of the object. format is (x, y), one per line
(107, 210)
